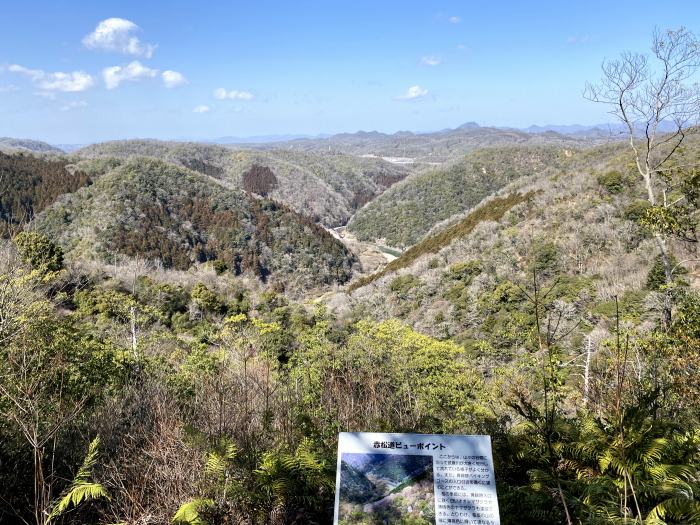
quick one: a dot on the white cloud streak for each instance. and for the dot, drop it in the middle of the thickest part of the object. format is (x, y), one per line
(133, 72)
(430, 61)
(67, 82)
(117, 35)
(455, 20)
(201, 109)
(223, 94)
(413, 93)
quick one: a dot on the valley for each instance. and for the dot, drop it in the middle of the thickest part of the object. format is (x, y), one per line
(253, 296)
(311, 263)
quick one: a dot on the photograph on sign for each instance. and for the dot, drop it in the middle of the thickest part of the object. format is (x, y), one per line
(421, 479)
(386, 488)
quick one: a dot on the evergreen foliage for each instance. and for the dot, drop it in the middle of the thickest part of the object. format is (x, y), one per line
(259, 179)
(406, 212)
(613, 181)
(30, 184)
(39, 252)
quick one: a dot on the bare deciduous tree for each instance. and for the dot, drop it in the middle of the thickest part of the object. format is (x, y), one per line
(649, 97)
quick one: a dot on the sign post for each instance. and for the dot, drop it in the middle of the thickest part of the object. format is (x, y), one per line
(430, 479)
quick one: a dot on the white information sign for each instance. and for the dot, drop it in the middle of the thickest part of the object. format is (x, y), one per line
(415, 478)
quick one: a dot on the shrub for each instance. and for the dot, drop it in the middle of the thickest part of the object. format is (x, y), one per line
(636, 210)
(39, 252)
(206, 300)
(613, 181)
(464, 271)
(220, 267)
(167, 298)
(403, 284)
(630, 304)
(544, 256)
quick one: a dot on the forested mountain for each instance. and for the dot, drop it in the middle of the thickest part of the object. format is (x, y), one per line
(30, 184)
(575, 215)
(328, 188)
(8, 144)
(178, 345)
(436, 147)
(150, 209)
(404, 213)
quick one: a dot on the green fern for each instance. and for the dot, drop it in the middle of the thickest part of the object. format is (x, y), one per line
(218, 462)
(676, 508)
(189, 513)
(81, 489)
(300, 477)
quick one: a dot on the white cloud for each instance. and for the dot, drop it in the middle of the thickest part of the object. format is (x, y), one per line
(201, 109)
(413, 93)
(34, 74)
(133, 72)
(74, 105)
(68, 82)
(8, 88)
(455, 20)
(222, 94)
(117, 34)
(75, 81)
(430, 61)
(173, 79)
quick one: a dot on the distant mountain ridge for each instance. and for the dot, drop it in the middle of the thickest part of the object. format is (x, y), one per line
(307, 141)
(611, 129)
(9, 144)
(257, 139)
(436, 147)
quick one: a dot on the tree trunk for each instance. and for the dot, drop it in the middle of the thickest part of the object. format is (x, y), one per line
(586, 375)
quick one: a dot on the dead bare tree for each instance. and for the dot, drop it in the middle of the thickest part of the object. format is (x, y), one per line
(649, 97)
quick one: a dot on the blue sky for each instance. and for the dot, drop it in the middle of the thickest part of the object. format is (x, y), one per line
(85, 71)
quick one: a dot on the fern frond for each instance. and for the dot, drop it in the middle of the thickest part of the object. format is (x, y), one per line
(215, 465)
(85, 470)
(76, 496)
(81, 490)
(217, 462)
(675, 508)
(188, 513)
